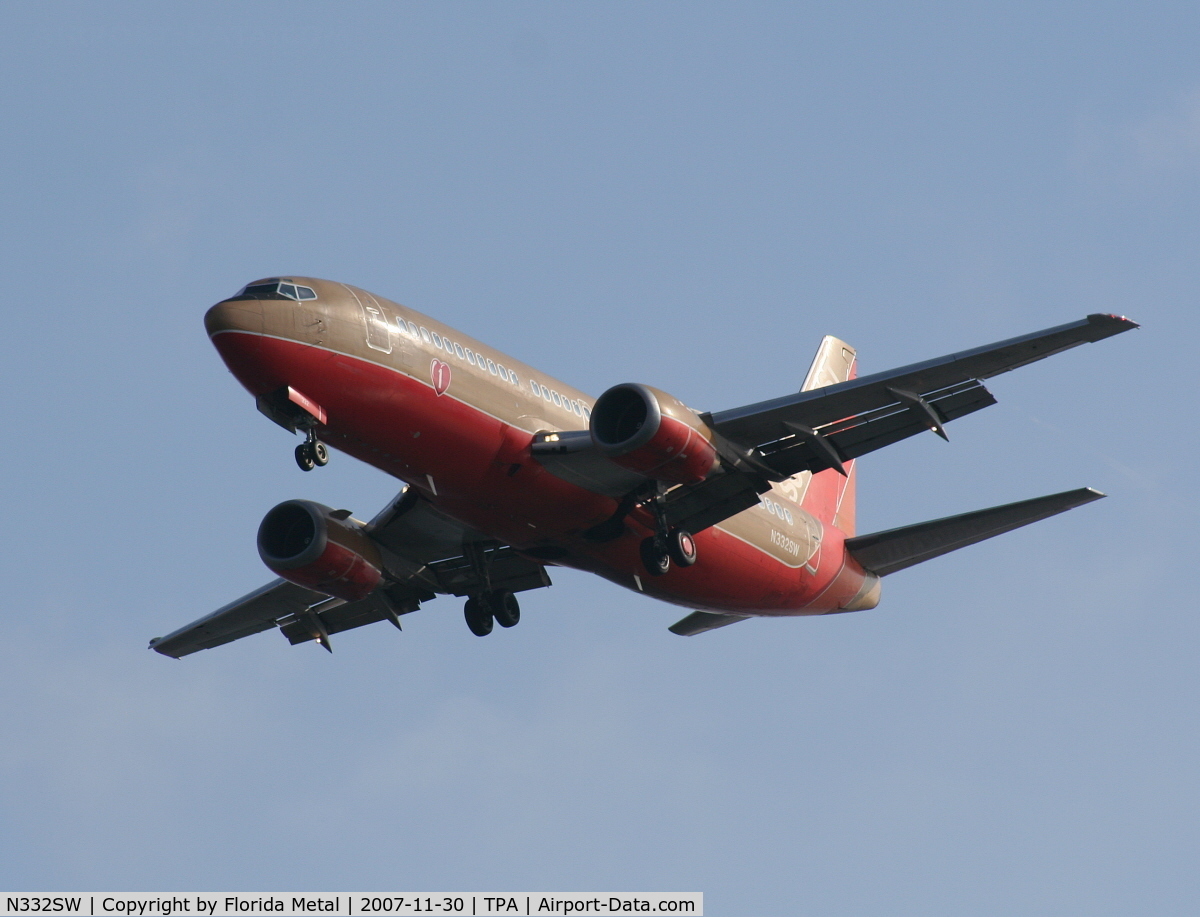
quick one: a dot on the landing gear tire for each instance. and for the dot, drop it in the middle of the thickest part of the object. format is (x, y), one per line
(506, 609)
(311, 452)
(305, 459)
(681, 546)
(479, 617)
(655, 557)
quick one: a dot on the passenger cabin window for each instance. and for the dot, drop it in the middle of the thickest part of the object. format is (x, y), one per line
(412, 329)
(470, 356)
(458, 350)
(502, 371)
(491, 367)
(512, 377)
(437, 340)
(557, 398)
(425, 335)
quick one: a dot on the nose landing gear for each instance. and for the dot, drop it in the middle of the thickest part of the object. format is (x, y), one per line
(311, 452)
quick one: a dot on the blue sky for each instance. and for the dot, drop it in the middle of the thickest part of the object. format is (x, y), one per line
(683, 195)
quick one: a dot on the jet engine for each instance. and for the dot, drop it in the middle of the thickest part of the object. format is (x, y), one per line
(653, 433)
(320, 548)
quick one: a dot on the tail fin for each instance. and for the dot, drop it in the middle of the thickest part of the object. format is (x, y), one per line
(827, 495)
(835, 362)
(886, 552)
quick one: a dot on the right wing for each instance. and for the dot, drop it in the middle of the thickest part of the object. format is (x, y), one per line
(825, 426)
(819, 429)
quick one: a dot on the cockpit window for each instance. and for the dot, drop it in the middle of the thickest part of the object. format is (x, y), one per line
(275, 288)
(268, 289)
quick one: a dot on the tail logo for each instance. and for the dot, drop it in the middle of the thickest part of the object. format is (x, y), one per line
(439, 375)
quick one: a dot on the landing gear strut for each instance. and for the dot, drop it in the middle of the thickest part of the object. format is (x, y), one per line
(311, 452)
(669, 544)
(499, 606)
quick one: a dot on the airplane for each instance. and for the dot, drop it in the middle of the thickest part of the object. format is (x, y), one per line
(733, 514)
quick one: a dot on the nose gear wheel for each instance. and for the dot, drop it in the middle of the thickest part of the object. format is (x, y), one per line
(311, 452)
(304, 458)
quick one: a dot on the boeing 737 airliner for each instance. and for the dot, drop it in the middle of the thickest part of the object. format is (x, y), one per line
(731, 514)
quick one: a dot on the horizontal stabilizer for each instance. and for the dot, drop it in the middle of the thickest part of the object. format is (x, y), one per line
(887, 552)
(700, 621)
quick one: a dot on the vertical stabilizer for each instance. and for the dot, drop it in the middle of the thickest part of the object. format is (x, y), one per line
(829, 496)
(835, 362)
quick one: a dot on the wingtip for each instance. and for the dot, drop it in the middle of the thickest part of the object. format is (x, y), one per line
(1117, 323)
(154, 645)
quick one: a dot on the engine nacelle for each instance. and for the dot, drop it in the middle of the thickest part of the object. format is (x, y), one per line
(653, 433)
(311, 545)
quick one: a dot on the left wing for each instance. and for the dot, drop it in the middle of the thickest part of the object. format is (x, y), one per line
(250, 614)
(425, 553)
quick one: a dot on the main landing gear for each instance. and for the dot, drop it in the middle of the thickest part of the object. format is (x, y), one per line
(498, 606)
(678, 545)
(669, 544)
(311, 452)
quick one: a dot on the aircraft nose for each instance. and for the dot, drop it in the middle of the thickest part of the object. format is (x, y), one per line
(245, 315)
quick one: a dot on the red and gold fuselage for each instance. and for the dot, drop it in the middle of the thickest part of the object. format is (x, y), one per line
(455, 419)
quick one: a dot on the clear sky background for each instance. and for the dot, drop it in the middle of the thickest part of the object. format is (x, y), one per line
(683, 195)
